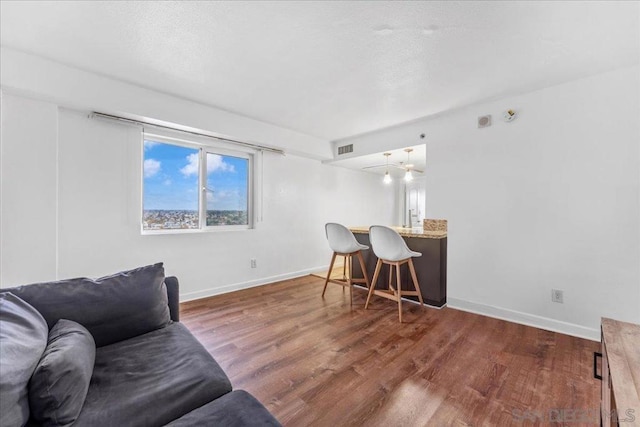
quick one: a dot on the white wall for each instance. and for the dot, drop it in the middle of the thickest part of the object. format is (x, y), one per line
(28, 224)
(97, 194)
(548, 201)
(299, 196)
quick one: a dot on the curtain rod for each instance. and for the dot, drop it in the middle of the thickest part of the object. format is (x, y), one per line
(143, 123)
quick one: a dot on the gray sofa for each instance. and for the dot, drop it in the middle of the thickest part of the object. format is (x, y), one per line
(119, 357)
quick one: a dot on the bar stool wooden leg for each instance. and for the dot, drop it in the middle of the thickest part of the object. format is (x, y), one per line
(364, 269)
(349, 282)
(414, 279)
(390, 275)
(344, 270)
(398, 291)
(333, 259)
(344, 267)
(373, 282)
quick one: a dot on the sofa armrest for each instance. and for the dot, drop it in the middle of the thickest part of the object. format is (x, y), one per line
(173, 293)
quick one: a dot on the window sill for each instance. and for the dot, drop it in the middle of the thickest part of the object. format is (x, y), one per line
(220, 229)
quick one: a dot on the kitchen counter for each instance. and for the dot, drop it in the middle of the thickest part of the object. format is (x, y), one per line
(431, 267)
(407, 232)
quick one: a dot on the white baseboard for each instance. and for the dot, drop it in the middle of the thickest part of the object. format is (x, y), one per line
(189, 296)
(525, 319)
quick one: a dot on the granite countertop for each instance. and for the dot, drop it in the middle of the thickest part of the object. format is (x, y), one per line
(408, 232)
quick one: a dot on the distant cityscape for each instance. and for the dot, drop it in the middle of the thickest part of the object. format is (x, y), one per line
(227, 218)
(187, 219)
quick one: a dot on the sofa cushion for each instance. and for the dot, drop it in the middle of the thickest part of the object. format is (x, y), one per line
(23, 338)
(112, 308)
(60, 382)
(235, 409)
(151, 380)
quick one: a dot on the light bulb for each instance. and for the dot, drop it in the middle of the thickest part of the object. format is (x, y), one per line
(387, 178)
(408, 176)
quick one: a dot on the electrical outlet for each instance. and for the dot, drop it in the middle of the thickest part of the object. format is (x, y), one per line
(254, 263)
(557, 295)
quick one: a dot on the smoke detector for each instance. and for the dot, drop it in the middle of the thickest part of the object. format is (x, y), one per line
(484, 121)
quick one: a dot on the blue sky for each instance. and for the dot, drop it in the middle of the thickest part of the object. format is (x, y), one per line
(171, 179)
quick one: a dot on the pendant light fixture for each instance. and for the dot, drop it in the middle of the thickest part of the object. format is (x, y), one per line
(387, 178)
(408, 176)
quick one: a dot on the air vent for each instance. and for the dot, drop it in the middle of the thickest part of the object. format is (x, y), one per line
(345, 149)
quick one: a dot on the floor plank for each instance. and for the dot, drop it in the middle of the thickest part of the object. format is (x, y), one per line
(338, 272)
(314, 361)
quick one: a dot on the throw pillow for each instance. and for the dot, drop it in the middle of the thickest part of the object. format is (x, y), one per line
(60, 382)
(112, 308)
(23, 337)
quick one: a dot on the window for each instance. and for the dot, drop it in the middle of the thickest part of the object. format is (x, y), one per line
(189, 187)
(227, 190)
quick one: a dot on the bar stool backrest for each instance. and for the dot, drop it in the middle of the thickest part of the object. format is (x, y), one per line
(341, 239)
(388, 245)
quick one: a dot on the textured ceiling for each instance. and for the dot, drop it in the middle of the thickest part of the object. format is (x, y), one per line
(331, 69)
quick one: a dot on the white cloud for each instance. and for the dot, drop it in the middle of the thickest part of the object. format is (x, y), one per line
(215, 163)
(226, 199)
(151, 167)
(192, 166)
(148, 145)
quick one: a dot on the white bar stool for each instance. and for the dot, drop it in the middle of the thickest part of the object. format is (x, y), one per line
(391, 249)
(343, 243)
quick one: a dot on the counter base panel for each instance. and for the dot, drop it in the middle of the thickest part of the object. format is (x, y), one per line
(431, 268)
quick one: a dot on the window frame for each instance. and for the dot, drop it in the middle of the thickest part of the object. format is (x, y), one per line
(203, 149)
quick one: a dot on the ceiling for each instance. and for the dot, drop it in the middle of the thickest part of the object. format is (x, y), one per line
(331, 69)
(418, 159)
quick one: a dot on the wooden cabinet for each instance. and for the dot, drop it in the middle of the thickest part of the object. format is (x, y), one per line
(620, 397)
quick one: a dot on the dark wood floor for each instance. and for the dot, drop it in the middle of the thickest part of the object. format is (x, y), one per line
(313, 361)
